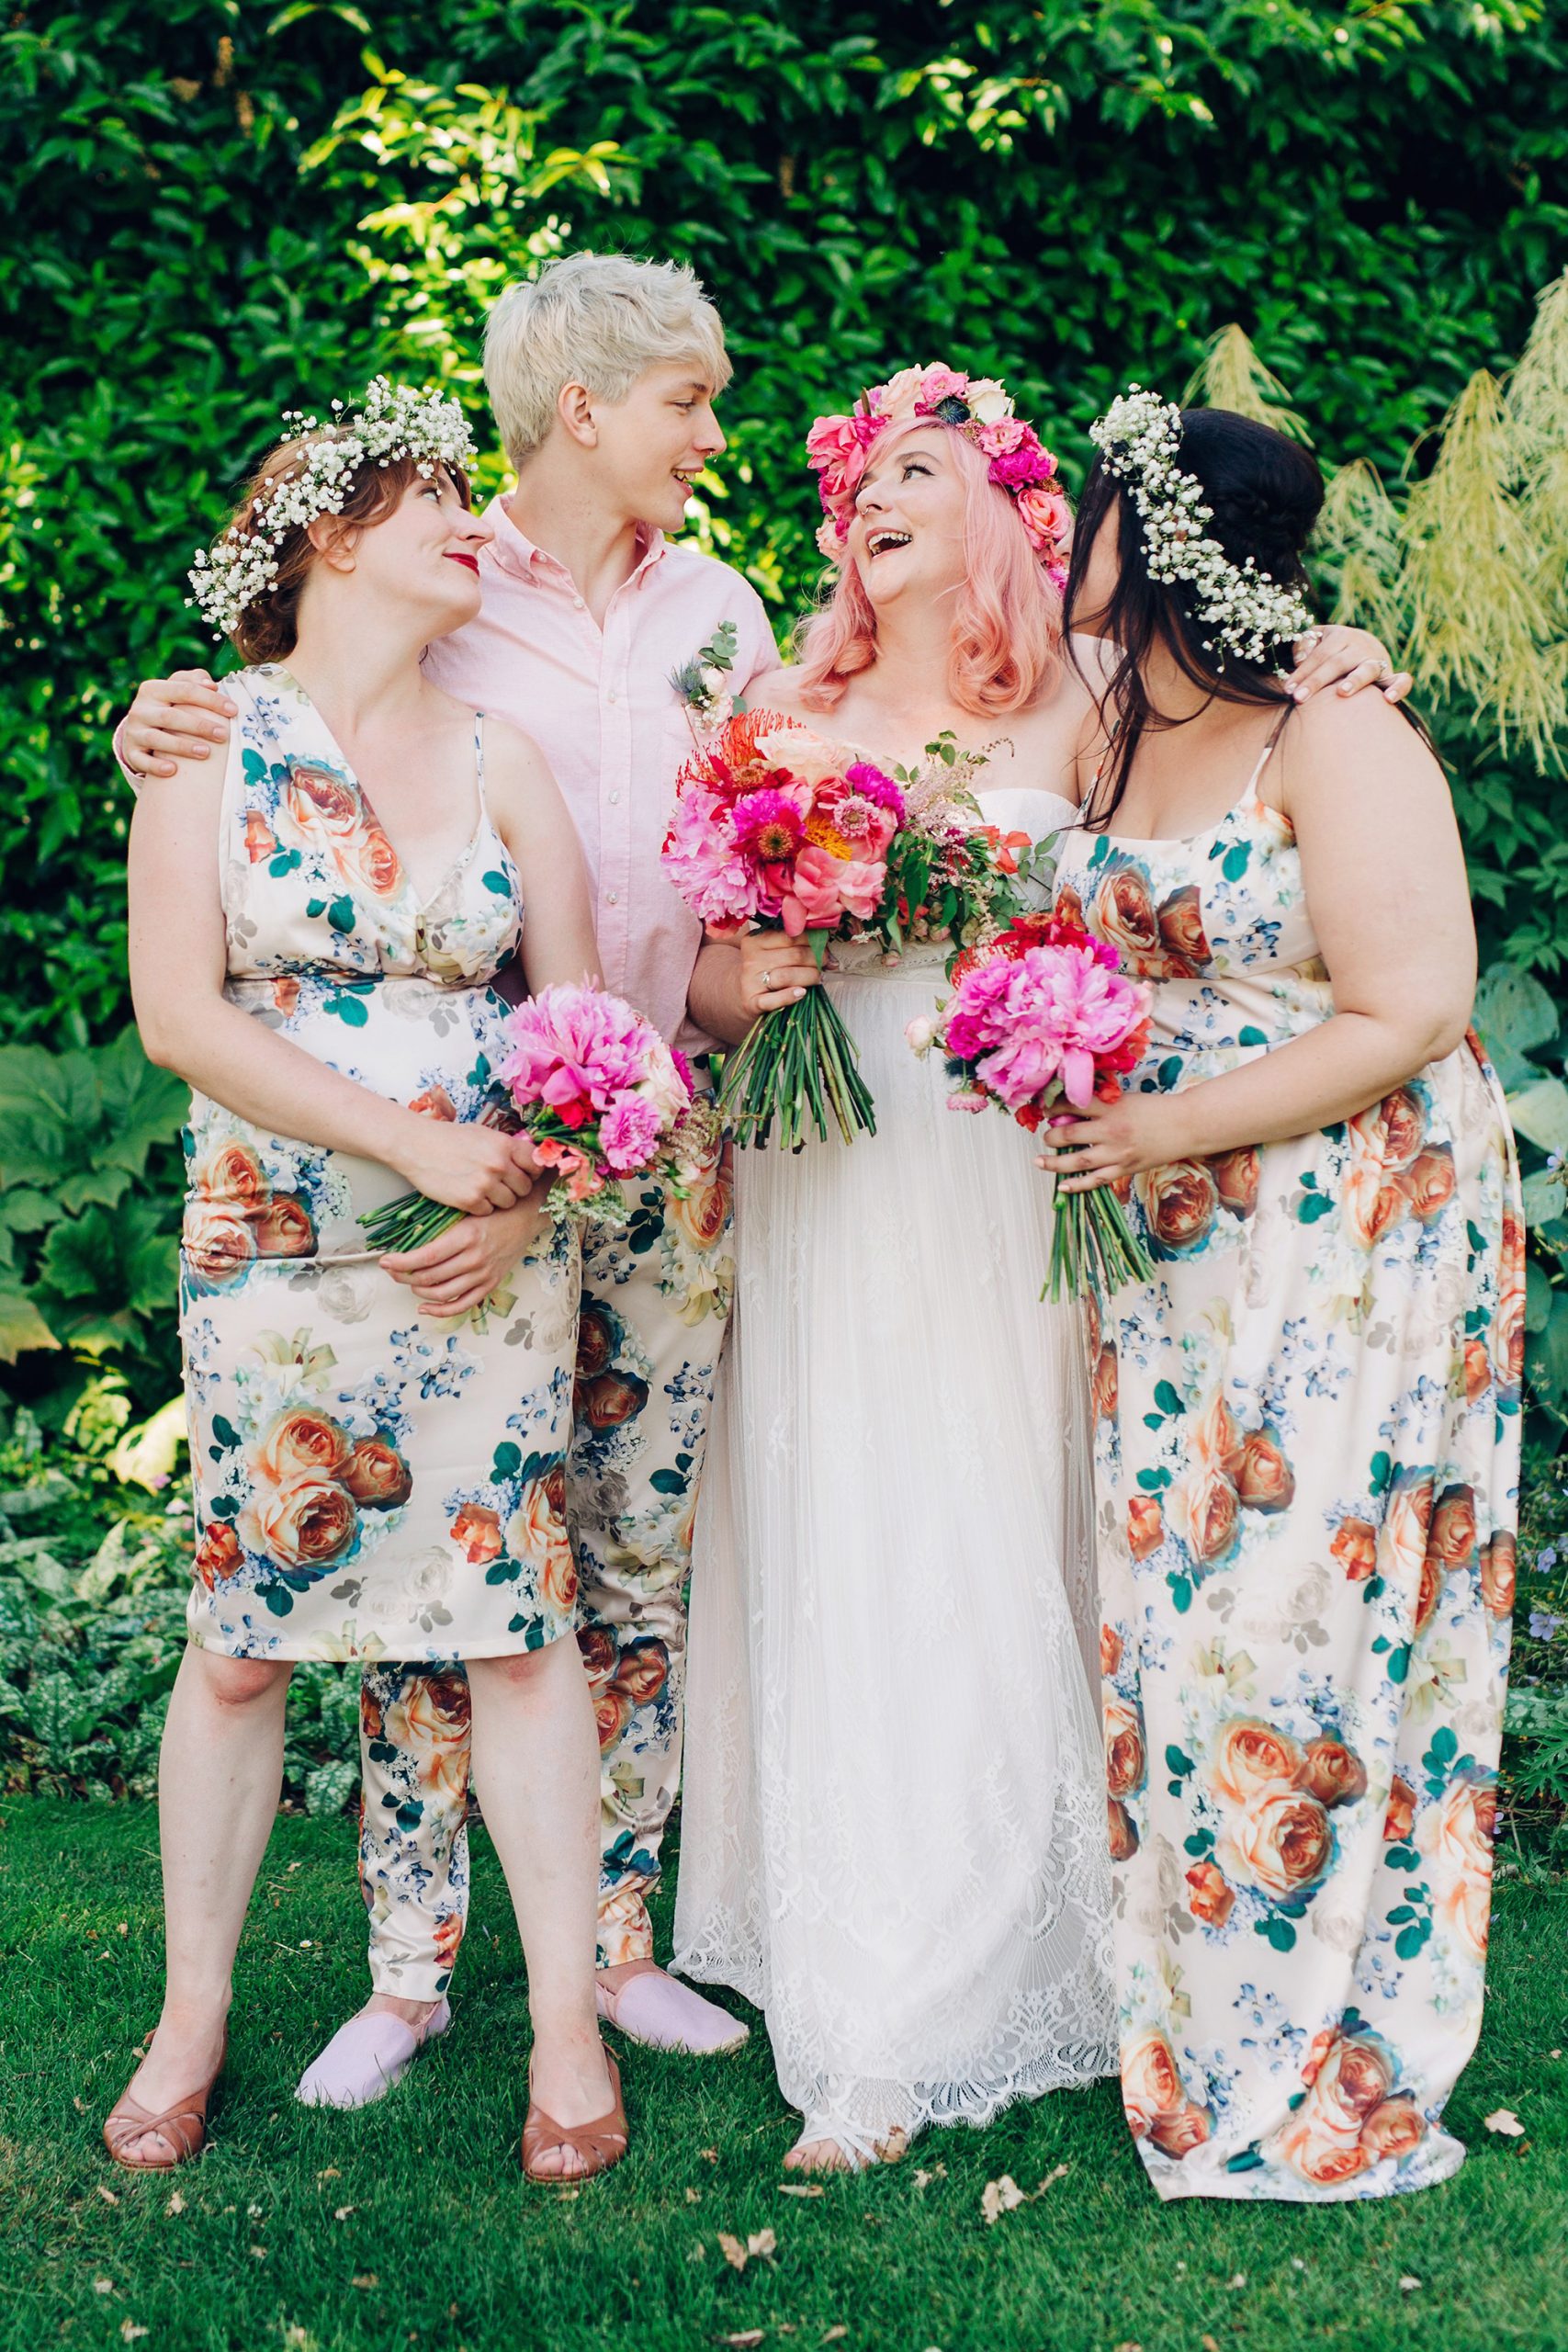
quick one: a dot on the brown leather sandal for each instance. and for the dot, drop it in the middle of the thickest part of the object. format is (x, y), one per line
(183, 2126)
(596, 2145)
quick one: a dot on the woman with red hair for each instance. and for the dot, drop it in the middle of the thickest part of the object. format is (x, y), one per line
(894, 1816)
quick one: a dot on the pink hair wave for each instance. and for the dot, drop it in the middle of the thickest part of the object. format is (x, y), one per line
(1006, 625)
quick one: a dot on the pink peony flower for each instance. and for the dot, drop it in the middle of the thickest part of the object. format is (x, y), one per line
(574, 1050)
(827, 887)
(975, 1020)
(629, 1134)
(703, 861)
(1063, 1008)
(1027, 463)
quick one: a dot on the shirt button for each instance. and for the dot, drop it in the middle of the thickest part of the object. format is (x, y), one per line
(577, 604)
(611, 695)
(612, 897)
(615, 800)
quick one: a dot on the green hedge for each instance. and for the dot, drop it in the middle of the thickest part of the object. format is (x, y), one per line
(213, 212)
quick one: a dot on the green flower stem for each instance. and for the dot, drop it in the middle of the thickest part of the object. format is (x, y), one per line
(1093, 1246)
(796, 1066)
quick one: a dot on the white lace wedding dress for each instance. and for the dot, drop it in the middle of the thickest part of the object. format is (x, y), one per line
(894, 1826)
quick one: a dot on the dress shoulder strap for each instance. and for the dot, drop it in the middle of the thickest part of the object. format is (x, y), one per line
(1274, 732)
(480, 760)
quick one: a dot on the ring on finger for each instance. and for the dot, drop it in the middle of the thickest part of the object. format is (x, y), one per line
(768, 982)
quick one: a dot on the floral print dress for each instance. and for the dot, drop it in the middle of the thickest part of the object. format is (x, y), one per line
(344, 1447)
(1307, 1441)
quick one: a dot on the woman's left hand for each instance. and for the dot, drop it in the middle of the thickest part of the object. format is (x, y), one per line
(1110, 1141)
(462, 1266)
(1353, 658)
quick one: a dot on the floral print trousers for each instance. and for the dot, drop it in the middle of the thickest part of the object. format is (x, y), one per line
(656, 1298)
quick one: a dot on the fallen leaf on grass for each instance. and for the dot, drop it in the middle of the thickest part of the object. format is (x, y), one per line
(108, 2195)
(924, 2179)
(103, 2286)
(1004, 2196)
(79, 2104)
(760, 2245)
(1502, 2118)
(330, 2173)
(129, 2331)
(1408, 2285)
(693, 2196)
(835, 2336)
(259, 2253)
(342, 2212)
(1238, 2281)
(176, 2203)
(1210, 2343)
(708, 2156)
(365, 2278)
(747, 2339)
(801, 2189)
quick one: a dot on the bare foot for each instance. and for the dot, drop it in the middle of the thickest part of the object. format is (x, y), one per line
(832, 2155)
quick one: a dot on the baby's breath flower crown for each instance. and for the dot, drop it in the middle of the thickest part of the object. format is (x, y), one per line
(392, 421)
(1240, 609)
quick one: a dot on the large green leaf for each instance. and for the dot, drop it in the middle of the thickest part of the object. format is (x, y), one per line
(1516, 1016)
(22, 1326)
(143, 1105)
(1541, 1112)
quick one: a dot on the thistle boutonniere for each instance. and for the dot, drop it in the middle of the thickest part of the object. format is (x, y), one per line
(701, 683)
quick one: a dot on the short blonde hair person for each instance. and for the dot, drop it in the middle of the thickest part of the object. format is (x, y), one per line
(602, 320)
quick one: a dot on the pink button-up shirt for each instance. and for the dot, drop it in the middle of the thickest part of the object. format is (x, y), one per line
(599, 704)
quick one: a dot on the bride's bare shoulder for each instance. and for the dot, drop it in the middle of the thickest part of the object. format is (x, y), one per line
(780, 690)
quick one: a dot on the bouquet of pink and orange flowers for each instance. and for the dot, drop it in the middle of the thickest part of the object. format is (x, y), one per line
(603, 1098)
(774, 826)
(1041, 1018)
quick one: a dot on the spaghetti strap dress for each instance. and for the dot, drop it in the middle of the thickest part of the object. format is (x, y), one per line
(1307, 1447)
(369, 1481)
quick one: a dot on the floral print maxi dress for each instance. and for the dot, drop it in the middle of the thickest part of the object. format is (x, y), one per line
(344, 1447)
(1307, 1438)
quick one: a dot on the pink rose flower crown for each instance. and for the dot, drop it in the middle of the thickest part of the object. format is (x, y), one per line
(839, 450)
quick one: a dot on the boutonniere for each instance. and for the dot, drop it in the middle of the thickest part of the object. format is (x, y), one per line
(701, 683)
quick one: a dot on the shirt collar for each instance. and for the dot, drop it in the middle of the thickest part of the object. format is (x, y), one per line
(516, 553)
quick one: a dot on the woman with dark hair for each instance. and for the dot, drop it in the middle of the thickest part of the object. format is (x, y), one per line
(1307, 1422)
(377, 1446)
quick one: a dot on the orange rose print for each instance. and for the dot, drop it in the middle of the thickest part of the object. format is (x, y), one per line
(1332, 1773)
(217, 1554)
(1124, 1830)
(302, 1440)
(1499, 1560)
(1180, 1202)
(1210, 1899)
(477, 1529)
(377, 1475)
(1355, 1546)
(1146, 1527)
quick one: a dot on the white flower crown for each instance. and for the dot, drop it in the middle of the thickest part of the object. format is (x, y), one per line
(394, 421)
(1242, 609)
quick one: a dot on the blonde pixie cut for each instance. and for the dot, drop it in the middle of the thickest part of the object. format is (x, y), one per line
(602, 320)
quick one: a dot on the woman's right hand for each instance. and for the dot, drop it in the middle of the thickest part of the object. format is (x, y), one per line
(175, 717)
(474, 1169)
(775, 970)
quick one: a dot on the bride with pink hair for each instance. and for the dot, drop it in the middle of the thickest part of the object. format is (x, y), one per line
(895, 1818)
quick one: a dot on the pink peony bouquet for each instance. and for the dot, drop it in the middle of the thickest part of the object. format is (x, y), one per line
(1041, 1020)
(774, 827)
(600, 1093)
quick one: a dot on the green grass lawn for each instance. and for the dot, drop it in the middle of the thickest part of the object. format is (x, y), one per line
(410, 2225)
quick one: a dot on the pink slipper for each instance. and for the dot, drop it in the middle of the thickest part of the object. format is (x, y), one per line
(658, 2011)
(365, 2057)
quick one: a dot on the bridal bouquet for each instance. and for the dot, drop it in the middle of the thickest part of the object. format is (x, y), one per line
(603, 1098)
(775, 827)
(1042, 1018)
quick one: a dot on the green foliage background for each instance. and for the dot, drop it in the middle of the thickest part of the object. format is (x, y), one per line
(213, 211)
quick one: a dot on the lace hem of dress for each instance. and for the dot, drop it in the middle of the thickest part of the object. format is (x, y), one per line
(867, 958)
(863, 2112)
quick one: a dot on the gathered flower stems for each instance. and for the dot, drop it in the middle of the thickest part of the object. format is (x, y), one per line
(797, 1064)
